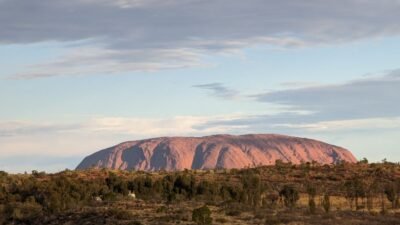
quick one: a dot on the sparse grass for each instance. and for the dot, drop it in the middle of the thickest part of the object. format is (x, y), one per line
(248, 196)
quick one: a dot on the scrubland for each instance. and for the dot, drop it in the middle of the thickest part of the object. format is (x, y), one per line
(309, 193)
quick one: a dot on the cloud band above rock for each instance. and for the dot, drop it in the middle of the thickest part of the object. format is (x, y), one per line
(135, 35)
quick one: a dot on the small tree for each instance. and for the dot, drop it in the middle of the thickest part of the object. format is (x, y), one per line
(3, 174)
(290, 195)
(311, 191)
(252, 185)
(355, 189)
(312, 206)
(202, 215)
(372, 190)
(326, 203)
(391, 194)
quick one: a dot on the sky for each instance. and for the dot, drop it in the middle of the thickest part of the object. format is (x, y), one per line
(78, 76)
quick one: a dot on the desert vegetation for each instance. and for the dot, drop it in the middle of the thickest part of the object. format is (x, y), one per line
(308, 193)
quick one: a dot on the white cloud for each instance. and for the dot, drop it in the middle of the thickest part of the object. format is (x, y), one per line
(138, 35)
(51, 143)
(12, 128)
(371, 97)
(147, 127)
(21, 137)
(84, 61)
(345, 125)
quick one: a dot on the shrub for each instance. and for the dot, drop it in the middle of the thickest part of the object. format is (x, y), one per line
(355, 189)
(290, 195)
(117, 184)
(272, 198)
(392, 194)
(326, 203)
(233, 212)
(272, 221)
(135, 223)
(120, 214)
(202, 215)
(23, 211)
(311, 191)
(312, 206)
(3, 174)
(162, 209)
(221, 220)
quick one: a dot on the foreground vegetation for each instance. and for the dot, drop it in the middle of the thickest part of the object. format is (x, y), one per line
(309, 193)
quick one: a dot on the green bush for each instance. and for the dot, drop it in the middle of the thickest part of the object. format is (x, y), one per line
(202, 215)
(23, 212)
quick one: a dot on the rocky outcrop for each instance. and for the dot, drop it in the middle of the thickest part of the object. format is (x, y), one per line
(218, 151)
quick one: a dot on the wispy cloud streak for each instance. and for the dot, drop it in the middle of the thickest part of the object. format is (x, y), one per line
(218, 90)
(365, 98)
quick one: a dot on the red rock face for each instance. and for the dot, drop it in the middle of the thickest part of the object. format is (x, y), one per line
(218, 151)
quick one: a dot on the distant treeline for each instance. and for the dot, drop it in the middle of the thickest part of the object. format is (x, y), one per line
(26, 197)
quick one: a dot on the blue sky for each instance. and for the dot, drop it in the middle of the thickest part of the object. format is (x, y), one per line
(82, 75)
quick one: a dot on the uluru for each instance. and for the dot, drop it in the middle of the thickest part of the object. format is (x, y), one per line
(217, 151)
